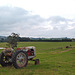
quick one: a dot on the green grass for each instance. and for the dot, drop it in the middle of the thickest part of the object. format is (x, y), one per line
(53, 61)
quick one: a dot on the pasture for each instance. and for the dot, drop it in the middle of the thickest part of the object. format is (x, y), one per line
(55, 59)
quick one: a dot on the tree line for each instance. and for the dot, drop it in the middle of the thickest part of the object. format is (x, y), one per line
(27, 39)
(14, 38)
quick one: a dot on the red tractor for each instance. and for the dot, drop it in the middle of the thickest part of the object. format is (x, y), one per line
(19, 57)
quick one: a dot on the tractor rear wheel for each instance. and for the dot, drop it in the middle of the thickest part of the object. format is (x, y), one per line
(20, 59)
(4, 60)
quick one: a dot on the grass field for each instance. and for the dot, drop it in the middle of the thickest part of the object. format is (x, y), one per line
(55, 59)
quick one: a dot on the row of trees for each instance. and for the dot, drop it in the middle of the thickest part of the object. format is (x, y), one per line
(27, 39)
(14, 38)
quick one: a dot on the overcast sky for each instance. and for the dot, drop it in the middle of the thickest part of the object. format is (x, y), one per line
(38, 18)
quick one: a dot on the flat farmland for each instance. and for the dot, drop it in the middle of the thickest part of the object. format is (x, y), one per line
(55, 59)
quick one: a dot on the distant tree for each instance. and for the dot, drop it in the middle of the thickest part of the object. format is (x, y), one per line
(12, 40)
(2, 40)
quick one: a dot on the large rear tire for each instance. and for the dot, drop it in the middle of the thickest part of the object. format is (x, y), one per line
(4, 60)
(20, 59)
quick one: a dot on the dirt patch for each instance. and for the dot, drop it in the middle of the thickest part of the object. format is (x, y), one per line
(65, 50)
(57, 52)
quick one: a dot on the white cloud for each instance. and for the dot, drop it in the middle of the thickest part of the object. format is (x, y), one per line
(71, 22)
(70, 27)
(62, 22)
(44, 8)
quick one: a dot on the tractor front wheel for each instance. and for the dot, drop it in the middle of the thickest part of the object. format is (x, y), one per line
(36, 61)
(4, 60)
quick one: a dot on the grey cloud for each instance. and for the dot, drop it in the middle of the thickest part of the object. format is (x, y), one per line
(56, 19)
(14, 19)
(11, 15)
(59, 22)
(17, 19)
